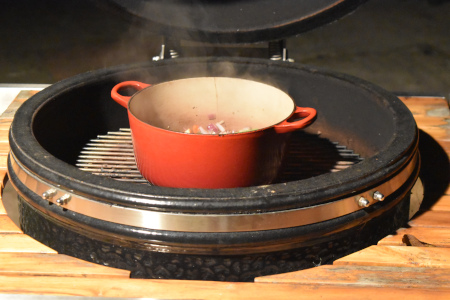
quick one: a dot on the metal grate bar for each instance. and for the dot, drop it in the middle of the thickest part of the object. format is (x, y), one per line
(111, 155)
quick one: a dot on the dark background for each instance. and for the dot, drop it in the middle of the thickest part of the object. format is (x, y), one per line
(401, 45)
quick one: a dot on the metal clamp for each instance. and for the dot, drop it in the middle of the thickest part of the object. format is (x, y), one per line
(63, 200)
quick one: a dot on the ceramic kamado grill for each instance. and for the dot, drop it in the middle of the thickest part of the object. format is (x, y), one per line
(344, 183)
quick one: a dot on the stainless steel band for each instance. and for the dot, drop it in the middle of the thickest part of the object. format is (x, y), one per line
(183, 222)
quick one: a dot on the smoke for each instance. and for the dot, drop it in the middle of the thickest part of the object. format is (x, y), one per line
(182, 27)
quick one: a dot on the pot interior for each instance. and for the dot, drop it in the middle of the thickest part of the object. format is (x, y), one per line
(237, 104)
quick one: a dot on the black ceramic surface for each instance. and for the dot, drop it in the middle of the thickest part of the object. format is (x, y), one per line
(231, 21)
(152, 264)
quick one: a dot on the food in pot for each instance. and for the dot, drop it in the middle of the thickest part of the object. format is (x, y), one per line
(214, 128)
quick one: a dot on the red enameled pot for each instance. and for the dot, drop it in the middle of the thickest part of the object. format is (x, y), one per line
(249, 121)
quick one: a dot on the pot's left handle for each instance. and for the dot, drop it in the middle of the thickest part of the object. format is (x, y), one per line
(123, 100)
(307, 114)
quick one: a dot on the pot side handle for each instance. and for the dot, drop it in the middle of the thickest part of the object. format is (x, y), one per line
(123, 100)
(308, 114)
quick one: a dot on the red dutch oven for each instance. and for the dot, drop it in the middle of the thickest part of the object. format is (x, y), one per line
(210, 132)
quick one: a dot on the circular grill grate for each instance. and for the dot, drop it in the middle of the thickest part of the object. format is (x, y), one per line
(111, 155)
(307, 155)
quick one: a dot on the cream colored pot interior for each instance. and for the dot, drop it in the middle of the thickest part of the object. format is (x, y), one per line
(239, 103)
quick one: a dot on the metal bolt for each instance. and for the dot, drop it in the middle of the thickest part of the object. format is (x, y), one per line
(63, 199)
(363, 202)
(276, 57)
(174, 54)
(49, 194)
(378, 196)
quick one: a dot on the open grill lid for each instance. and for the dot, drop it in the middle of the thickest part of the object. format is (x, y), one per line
(232, 21)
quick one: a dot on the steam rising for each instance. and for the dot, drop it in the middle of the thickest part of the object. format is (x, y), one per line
(142, 41)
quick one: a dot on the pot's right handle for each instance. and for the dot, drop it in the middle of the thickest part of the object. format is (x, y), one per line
(123, 100)
(307, 113)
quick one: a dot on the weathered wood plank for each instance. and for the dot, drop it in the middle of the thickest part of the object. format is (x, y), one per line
(3, 162)
(427, 121)
(5, 123)
(399, 256)
(438, 133)
(443, 204)
(348, 275)
(8, 226)
(19, 242)
(431, 219)
(181, 289)
(422, 100)
(4, 136)
(439, 237)
(2, 209)
(4, 131)
(426, 106)
(432, 116)
(3, 177)
(4, 146)
(10, 111)
(44, 264)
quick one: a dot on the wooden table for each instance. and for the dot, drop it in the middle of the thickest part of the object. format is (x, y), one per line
(388, 270)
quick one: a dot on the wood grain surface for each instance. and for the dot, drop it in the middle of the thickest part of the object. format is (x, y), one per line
(362, 276)
(46, 264)
(399, 256)
(179, 289)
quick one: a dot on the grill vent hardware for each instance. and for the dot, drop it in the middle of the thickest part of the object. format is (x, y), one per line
(307, 155)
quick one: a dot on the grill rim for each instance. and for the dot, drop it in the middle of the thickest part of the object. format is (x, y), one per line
(214, 222)
(29, 152)
(200, 242)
